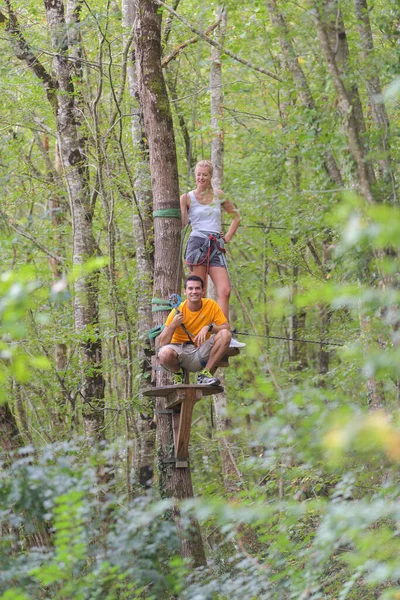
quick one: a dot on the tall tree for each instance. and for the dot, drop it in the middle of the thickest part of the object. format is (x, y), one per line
(143, 230)
(174, 482)
(231, 473)
(64, 100)
(348, 104)
(376, 101)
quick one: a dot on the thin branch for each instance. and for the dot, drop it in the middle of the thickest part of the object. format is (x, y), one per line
(118, 95)
(232, 458)
(168, 25)
(29, 237)
(24, 53)
(216, 44)
(248, 114)
(314, 252)
(8, 124)
(192, 40)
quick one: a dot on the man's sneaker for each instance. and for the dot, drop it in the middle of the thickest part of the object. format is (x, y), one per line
(178, 378)
(205, 378)
(236, 344)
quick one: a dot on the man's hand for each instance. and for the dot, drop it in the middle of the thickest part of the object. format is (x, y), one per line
(177, 320)
(201, 336)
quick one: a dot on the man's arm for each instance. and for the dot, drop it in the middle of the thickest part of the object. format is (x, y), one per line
(202, 335)
(165, 336)
(217, 328)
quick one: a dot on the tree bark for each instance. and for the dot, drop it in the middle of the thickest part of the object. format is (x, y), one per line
(374, 87)
(375, 391)
(10, 436)
(300, 81)
(63, 98)
(333, 20)
(174, 483)
(75, 170)
(143, 232)
(346, 107)
(230, 472)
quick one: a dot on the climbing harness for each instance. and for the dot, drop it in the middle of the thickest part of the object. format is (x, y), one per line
(212, 246)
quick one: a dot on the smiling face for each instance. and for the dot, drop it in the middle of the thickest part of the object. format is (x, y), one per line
(203, 177)
(193, 291)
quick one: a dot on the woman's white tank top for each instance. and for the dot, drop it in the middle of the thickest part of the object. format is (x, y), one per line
(204, 217)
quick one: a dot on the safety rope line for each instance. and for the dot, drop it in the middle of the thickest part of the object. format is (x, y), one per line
(261, 226)
(276, 337)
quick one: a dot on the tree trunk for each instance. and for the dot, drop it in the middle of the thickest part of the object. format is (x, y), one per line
(174, 482)
(230, 472)
(10, 436)
(336, 31)
(374, 87)
(143, 233)
(63, 99)
(75, 166)
(346, 107)
(300, 81)
(375, 392)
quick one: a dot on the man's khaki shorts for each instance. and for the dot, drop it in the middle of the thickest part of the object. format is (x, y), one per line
(190, 357)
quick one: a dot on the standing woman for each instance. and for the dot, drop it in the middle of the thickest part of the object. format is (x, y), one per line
(205, 252)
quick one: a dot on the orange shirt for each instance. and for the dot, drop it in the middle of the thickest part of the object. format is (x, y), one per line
(210, 312)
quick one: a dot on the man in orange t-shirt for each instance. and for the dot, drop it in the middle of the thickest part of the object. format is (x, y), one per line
(196, 336)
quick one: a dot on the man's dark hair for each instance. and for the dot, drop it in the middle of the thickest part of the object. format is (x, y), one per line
(194, 278)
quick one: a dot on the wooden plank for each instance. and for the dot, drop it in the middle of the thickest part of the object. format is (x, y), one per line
(185, 422)
(154, 363)
(231, 352)
(175, 398)
(175, 428)
(207, 390)
(224, 362)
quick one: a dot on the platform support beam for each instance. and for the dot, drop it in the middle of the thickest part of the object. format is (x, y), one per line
(182, 421)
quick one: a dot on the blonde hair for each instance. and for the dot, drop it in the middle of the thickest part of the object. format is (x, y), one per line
(205, 163)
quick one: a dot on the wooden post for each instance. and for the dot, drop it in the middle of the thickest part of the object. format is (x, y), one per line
(180, 401)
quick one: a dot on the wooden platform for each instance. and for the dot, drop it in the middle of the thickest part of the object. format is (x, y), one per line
(166, 390)
(180, 401)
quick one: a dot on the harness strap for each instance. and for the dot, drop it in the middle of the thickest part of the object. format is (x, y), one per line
(193, 259)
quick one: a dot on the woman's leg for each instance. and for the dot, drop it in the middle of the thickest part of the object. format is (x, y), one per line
(200, 271)
(220, 279)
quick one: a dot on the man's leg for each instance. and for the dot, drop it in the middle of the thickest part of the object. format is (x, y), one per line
(169, 359)
(219, 349)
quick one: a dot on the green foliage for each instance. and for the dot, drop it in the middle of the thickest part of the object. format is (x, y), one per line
(76, 542)
(19, 293)
(312, 508)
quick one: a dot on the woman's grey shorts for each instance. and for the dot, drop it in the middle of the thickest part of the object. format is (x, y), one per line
(197, 250)
(190, 357)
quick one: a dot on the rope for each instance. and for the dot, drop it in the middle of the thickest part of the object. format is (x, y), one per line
(173, 213)
(209, 255)
(262, 226)
(276, 337)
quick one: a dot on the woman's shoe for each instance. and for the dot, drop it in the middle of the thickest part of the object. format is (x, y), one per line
(236, 344)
